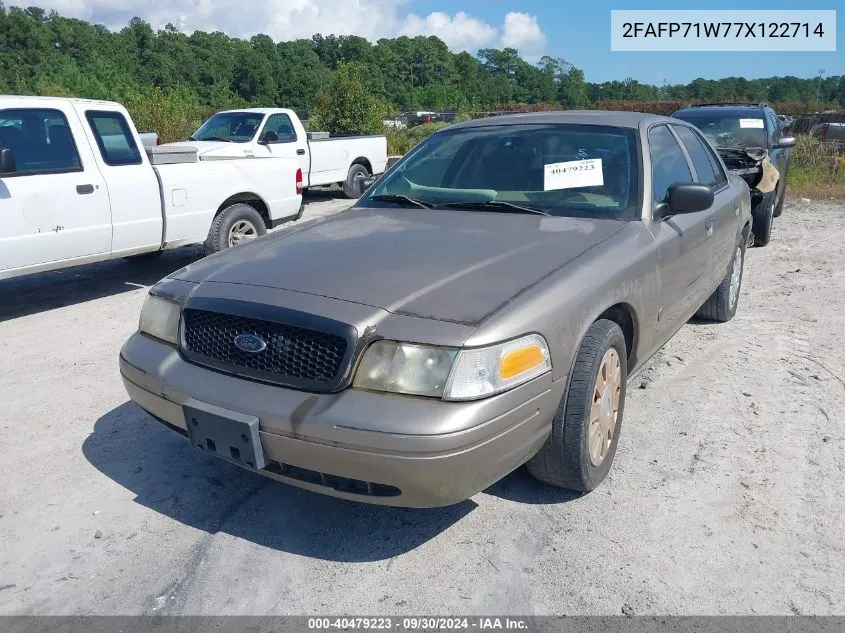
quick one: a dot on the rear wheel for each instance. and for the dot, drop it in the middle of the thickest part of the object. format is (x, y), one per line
(762, 215)
(234, 225)
(353, 187)
(722, 304)
(579, 451)
(779, 205)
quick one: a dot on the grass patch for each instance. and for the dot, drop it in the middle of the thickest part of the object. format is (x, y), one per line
(400, 142)
(816, 170)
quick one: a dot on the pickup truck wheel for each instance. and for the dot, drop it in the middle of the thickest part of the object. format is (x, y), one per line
(353, 187)
(762, 215)
(722, 304)
(234, 225)
(579, 451)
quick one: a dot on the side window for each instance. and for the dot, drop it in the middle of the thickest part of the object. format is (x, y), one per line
(114, 138)
(700, 158)
(668, 164)
(281, 126)
(40, 140)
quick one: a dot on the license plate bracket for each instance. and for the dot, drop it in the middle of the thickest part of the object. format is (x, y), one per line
(229, 435)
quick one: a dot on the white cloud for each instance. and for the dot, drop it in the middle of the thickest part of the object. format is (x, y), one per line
(461, 32)
(522, 32)
(293, 19)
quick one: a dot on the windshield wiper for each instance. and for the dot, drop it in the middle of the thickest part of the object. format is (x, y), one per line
(213, 138)
(393, 197)
(495, 205)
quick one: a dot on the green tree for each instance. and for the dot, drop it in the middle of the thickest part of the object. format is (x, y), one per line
(346, 107)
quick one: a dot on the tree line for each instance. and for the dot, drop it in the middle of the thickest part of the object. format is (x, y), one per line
(45, 53)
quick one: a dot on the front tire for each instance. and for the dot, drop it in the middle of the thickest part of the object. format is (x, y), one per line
(722, 304)
(762, 215)
(579, 451)
(234, 225)
(353, 188)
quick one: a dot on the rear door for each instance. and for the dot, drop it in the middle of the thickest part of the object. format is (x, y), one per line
(280, 139)
(683, 240)
(724, 220)
(54, 206)
(132, 185)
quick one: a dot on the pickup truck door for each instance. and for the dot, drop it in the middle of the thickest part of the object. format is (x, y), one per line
(683, 240)
(55, 205)
(280, 138)
(724, 220)
(132, 184)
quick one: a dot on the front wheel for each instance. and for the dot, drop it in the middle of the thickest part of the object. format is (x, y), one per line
(234, 225)
(353, 187)
(579, 451)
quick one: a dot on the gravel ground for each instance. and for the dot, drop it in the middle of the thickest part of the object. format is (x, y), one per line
(725, 498)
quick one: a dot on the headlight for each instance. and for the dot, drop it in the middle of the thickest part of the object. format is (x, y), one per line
(451, 374)
(160, 318)
(419, 370)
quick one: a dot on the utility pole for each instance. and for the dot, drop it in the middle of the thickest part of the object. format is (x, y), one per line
(819, 87)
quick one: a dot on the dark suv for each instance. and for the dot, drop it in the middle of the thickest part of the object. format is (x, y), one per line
(751, 142)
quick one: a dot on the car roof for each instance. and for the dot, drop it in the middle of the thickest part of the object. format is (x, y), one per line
(583, 117)
(732, 109)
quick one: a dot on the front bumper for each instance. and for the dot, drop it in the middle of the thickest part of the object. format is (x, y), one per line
(356, 444)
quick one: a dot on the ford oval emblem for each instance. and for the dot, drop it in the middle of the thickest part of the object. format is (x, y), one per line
(250, 343)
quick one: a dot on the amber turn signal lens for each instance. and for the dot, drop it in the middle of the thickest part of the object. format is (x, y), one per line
(520, 360)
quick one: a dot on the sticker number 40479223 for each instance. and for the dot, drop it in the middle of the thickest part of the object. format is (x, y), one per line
(572, 174)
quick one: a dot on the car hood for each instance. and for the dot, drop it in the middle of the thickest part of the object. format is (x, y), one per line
(456, 266)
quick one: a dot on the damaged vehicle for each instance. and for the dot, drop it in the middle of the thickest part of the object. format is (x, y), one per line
(751, 141)
(481, 307)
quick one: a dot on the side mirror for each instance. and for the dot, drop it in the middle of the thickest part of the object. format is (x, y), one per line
(367, 182)
(268, 137)
(7, 162)
(687, 198)
(786, 142)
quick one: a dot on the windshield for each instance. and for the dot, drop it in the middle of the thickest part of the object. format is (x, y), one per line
(561, 170)
(237, 127)
(734, 130)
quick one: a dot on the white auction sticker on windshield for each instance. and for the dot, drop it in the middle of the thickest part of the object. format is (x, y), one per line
(758, 123)
(572, 174)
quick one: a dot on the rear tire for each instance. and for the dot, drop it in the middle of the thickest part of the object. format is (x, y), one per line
(353, 188)
(722, 304)
(762, 215)
(234, 225)
(579, 451)
(779, 206)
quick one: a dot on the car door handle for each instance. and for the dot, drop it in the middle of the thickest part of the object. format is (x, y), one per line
(84, 189)
(708, 224)
(300, 152)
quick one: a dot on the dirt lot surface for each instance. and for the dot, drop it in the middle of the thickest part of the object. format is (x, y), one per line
(726, 496)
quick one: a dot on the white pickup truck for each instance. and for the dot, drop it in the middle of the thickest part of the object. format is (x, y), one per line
(77, 186)
(324, 160)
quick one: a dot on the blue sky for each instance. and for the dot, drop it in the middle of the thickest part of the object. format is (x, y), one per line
(580, 33)
(577, 31)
